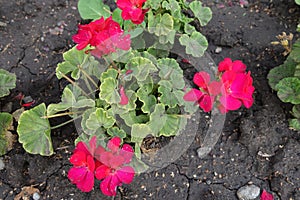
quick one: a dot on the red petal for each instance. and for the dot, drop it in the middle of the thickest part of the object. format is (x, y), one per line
(238, 66)
(201, 79)
(125, 174)
(81, 146)
(77, 174)
(109, 185)
(126, 152)
(87, 184)
(124, 99)
(102, 172)
(90, 163)
(214, 88)
(266, 196)
(225, 65)
(93, 144)
(99, 150)
(230, 103)
(206, 103)
(114, 144)
(193, 95)
(78, 159)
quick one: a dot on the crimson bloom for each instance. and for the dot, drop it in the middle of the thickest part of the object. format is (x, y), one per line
(237, 89)
(124, 99)
(113, 171)
(132, 10)
(236, 66)
(82, 172)
(105, 35)
(208, 90)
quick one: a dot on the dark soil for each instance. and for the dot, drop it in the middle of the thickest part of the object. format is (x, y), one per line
(256, 145)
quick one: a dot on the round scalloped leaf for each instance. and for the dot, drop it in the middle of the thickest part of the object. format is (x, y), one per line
(99, 118)
(108, 91)
(287, 69)
(141, 68)
(297, 2)
(168, 93)
(295, 53)
(139, 132)
(160, 25)
(294, 124)
(7, 82)
(296, 111)
(203, 14)
(35, 131)
(116, 132)
(289, 90)
(6, 121)
(196, 44)
(93, 9)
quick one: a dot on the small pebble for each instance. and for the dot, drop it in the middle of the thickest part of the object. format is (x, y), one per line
(248, 192)
(36, 196)
(1, 164)
(218, 50)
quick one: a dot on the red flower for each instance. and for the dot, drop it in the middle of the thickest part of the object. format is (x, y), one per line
(266, 196)
(105, 35)
(82, 172)
(113, 172)
(132, 10)
(237, 89)
(208, 90)
(236, 66)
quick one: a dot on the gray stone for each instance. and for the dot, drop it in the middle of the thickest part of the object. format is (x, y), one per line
(2, 165)
(248, 192)
(36, 196)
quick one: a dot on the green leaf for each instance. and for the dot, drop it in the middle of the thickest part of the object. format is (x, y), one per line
(287, 69)
(109, 92)
(160, 25)
(297, 2)
(153, 4)
(141, 68)
(296, 111)
(69, 100)
(85, 116)
(203, 14)
(34, 131)
(170, 70)
(116, 16)
(7, 82)
(73, 59)
(93, 9)
(6, 121)
(168, 96)
(189, 29)
(145, 96)
(100, 118)
(289, 90)
(295, 53)
(196, 44)
(130, 118)
(294, 124)
(139, 132)
(111, 72)
(115, 131)
(157, 119)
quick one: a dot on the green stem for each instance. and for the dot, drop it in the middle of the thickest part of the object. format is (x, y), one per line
(88, 76)
(60, 115)
(74, 84)
(62, 124)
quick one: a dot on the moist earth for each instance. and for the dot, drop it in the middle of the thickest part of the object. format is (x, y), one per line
(256, 146)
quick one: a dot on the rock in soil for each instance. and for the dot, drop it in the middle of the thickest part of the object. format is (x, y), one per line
(248, 192)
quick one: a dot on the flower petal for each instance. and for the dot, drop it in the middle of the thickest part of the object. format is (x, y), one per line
(78, 159)
(125, 174)
(87, 184)
(225, 65)
(102, 172)
(77, 174)
(266, 196)
(127, 152)
(124, 99)
(230, 103)
(114, 144)
(238, 66)
(206, 103)
(193, 95)
(201, 79)
(109, 185)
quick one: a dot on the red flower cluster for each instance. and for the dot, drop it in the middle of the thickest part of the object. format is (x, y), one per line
(107, 165)
(232, 91)
(105, 35)
(132, 10)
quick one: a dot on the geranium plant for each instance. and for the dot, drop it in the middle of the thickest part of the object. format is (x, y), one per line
(7, 82)
(126, 86)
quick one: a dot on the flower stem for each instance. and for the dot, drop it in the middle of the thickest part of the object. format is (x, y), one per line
(62, 124)
(60, 115)
(88, 76)
(74, 84)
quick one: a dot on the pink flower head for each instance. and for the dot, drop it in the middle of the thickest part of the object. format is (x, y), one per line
(236, 66)
(266, 196)
(113, 172)
(82, 172)
(132, 10)
(237, 89)
(208, 90)
(105, 35)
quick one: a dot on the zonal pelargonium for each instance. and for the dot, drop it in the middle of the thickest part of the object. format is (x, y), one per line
(125, 87)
